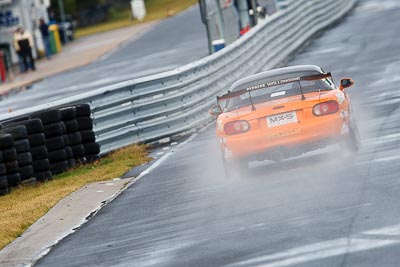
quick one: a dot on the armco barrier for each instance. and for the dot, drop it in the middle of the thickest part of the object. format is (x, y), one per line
(177, 101)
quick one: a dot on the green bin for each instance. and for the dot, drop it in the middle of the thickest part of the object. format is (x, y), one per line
(53, 42)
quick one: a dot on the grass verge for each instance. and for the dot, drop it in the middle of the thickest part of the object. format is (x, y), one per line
(25, 205)
(155, 9)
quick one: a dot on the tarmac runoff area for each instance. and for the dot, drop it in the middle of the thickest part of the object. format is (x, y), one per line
(75, 210)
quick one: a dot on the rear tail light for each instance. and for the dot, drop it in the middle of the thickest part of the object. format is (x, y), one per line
(326, 108)
(236, 127)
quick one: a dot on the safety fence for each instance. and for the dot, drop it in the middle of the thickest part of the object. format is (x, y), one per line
(176, 102)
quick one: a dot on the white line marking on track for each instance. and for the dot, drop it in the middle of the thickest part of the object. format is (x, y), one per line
(160, 160)
(325, 249)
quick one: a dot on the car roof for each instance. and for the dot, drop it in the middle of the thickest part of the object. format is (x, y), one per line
(306, 69)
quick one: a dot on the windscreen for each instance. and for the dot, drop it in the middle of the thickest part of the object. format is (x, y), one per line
(271, 90)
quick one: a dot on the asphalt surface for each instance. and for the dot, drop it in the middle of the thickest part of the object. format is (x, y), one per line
(325, 208)
(170, 44)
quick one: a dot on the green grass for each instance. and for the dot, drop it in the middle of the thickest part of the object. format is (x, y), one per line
(155, 9)
(26, 204)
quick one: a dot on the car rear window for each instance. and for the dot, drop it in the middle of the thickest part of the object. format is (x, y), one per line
(278, 91)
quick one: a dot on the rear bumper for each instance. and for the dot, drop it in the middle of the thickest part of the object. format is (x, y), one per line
(288, 140)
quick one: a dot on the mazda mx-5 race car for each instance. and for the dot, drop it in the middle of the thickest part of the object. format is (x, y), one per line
(283, 113)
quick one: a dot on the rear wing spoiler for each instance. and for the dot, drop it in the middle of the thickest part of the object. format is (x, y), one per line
(313, 77)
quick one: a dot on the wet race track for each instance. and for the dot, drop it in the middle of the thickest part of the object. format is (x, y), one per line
(325, 208)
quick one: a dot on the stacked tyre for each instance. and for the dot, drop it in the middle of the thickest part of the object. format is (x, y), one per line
(73, 137)
(38, 149)
(7, 150)
(23, 165)
(54, 131)
(85, 122)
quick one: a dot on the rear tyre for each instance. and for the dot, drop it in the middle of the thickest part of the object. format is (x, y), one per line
(235, 169)
(352, 141)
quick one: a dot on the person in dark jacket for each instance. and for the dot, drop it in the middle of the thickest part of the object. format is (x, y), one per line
(23, 43)
(44, 30)
(17, 50)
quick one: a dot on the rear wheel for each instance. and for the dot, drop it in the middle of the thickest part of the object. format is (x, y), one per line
(235, 169)
(352, 141)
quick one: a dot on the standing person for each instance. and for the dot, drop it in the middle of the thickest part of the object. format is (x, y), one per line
(18, 50)
(44, 30)
(23, 39)
(243, 13)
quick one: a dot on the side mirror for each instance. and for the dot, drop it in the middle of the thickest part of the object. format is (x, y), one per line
(345, 83)
(215, 110)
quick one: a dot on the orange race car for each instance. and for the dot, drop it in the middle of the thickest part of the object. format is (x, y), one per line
(283, 113)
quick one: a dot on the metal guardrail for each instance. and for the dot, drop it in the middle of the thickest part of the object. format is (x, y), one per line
(173, 102)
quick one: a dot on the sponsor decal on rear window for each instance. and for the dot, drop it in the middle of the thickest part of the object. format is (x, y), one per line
(273, 83)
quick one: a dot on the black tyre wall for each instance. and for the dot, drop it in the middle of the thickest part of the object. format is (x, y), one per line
(48, 116)
(6, 141)
(38, 139)
(17, 132)
(13, 179)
